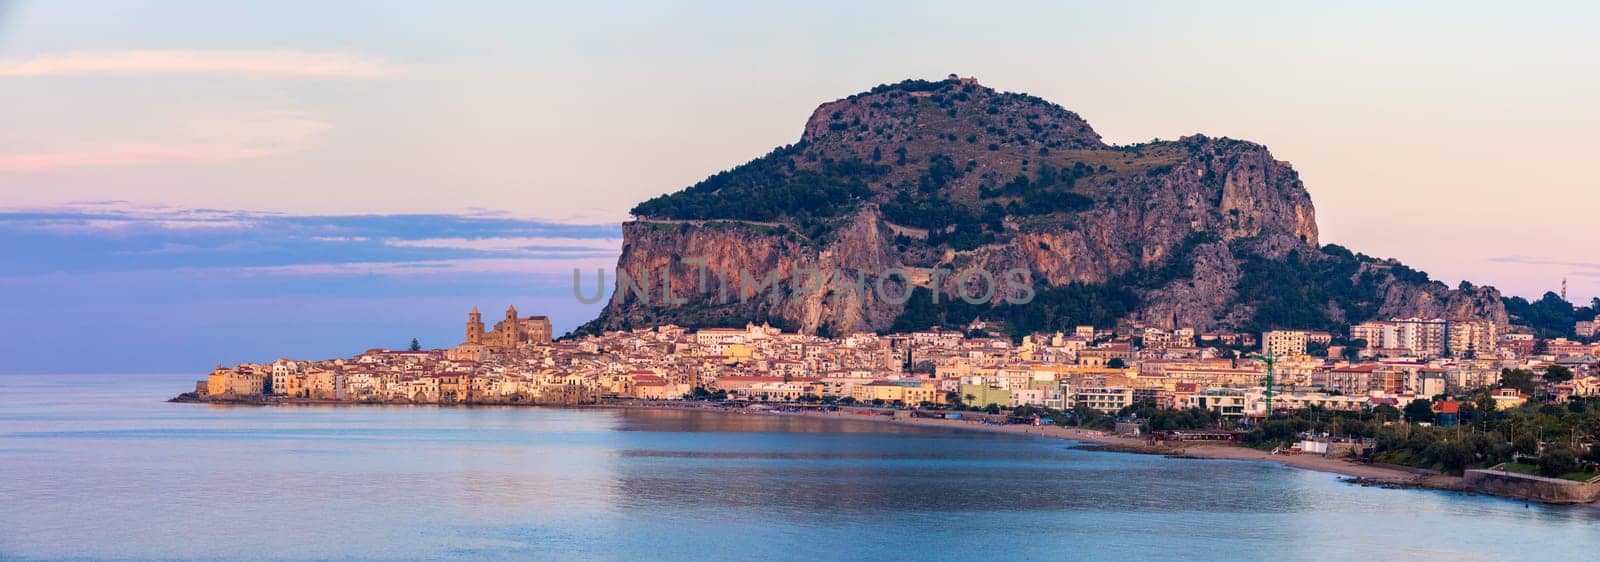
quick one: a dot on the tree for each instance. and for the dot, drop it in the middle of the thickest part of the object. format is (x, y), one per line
(416, 345)
(1317, 349)
(1525, 445)
(1419, 410)
(1116, 363)
(1386, 412)
(1453, 456)
(953, 398)
(1352, 349)
(1484, 407)
(1354, 428)
(1557, 461)
(1557, 373)
(1519, 379)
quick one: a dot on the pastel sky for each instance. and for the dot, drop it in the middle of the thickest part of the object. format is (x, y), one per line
(188, 182)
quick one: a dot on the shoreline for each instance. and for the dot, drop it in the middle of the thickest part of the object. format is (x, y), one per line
(1105, 441)
(1391, 477)
(1386, 476)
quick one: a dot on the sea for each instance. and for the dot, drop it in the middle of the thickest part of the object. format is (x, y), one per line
(101, 467)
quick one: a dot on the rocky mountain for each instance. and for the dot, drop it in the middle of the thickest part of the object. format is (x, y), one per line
(869, 221)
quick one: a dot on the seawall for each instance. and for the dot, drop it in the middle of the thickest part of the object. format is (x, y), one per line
(1530, 487)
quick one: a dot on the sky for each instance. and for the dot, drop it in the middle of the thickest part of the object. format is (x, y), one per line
(190, 182)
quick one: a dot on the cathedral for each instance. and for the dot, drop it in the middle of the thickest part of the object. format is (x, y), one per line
(508, 334)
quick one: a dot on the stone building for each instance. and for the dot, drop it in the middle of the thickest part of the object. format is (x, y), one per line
(508, 334)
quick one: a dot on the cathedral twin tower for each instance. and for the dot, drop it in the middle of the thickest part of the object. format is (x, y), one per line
(510, 333)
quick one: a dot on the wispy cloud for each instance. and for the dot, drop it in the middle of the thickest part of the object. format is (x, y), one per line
(472, 232)
(247, 138)
(1530, 260)
(110, 218)
(283, 63)
(536, 266)
(112, 225)
(109, 237)
(509, 244)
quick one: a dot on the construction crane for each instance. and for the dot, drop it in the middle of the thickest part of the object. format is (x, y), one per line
(1269, 362)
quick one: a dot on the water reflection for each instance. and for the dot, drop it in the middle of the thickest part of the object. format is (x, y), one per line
(99, 467)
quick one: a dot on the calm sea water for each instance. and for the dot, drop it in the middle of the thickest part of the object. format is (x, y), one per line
(99, 467)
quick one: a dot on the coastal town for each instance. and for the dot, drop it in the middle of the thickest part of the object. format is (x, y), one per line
(1128, 383)
(1433, 373)
(1390, 363)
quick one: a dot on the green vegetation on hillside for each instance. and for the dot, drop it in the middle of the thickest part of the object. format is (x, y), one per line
(1046, 193)
(1326, 290)
(963, 227)
(1550, 316)
(947, 222)
(905, 146)
(1299, 291)
(770, 188)
(1323, 290)
(909, 85)
(1054, 308)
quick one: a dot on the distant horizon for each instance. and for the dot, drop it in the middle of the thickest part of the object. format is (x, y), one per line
(296, 264)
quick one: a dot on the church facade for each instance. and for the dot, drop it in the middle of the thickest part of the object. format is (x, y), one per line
(508, 334)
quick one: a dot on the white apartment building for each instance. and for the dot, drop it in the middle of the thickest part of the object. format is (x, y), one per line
(1415, 336)
(1283, 343)
(1104, 399)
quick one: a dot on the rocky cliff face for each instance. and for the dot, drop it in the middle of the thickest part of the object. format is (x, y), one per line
(908, 185)
(720, 271)
(1434, 300)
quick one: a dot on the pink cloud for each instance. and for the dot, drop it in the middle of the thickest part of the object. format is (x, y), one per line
(245, 138)
(126, 155)
(263, 63)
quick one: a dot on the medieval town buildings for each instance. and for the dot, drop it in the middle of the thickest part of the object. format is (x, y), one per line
(517, 362)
